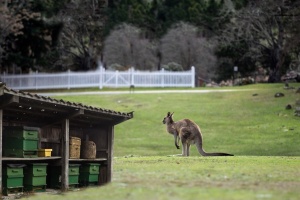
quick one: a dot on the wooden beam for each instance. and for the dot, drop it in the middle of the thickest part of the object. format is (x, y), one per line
(76, 113)
(1, 129)
(2, 86)
(50, 140)
(68, 116)
(32, 112)
(110, 155)
(42, 104)
(9, 100)
(65, 156)
(1, 90)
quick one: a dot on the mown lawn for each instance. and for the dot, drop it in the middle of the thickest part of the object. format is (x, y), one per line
(162, 177)
(257, 129)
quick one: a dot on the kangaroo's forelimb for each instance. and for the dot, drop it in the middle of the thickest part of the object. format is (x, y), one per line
(176, 138)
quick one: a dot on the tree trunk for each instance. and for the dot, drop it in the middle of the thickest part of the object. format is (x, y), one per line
(279, 54)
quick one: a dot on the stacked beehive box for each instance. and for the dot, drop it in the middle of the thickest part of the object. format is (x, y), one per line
(54, 178)
(20, 142)
(12, 178)
(35, 175)
(89, 174)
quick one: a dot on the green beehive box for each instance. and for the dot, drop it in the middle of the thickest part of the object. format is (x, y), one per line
(91, 168)
(13, 181)
(36, 169)
(54, 176)
(30, 180)
(35, 174)
(20, 153)
(89, 173)
(73, 179)
(74, 169)
(12, 177)
(74, 174)
(12, 184)
(13, 170)
(20, 143)
(86, 178)
(20, 132)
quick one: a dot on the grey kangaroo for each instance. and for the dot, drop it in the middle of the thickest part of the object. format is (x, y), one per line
(189, 133)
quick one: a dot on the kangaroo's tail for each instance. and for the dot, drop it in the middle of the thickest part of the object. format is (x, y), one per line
(203, 153)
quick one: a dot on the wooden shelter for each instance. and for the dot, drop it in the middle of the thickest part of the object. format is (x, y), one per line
(57, 121)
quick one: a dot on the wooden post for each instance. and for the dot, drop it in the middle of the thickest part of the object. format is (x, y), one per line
(162, 77)
(132, 76)
(193, 76)
(1, 129)
(110, 141)
(65, 156)
(101, 76)
(117, 77)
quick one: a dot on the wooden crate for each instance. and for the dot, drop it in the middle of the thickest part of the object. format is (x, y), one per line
(44, 152)
(74, 147)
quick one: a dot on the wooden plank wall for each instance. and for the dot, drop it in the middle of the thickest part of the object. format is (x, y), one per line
(1, 129)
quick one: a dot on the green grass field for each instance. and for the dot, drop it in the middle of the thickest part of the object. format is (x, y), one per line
(258, 130)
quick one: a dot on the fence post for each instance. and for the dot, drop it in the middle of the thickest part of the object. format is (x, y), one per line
(68, 73)
(193, 76)
(36, 84)
(162, 77)
(100, 77)
(3, 77)
(132, 76)
(117, 77)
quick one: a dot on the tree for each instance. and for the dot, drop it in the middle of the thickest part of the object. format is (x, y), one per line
(265, 27)
(35, 37)
(209, 15)
(80, 43)
(157, 16)
(127, 47)
(10, 24)
(234, 54)
(134, 12)
(184, 45)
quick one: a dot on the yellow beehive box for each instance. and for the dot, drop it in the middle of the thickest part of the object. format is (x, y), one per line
(44, 152)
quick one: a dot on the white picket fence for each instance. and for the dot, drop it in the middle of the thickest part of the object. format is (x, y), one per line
(100, 78)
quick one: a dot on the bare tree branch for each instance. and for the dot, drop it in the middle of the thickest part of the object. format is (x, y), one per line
(264, 26)
(126, 47)
(183, 45)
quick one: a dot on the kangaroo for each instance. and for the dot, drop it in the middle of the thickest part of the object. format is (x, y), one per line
(189, 133)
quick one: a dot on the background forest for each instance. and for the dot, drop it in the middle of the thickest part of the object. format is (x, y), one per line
(212, 35)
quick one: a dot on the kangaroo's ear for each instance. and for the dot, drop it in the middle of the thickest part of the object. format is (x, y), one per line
(172, 114)
(168, 114)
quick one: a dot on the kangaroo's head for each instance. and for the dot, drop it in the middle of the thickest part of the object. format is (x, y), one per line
(168, 119)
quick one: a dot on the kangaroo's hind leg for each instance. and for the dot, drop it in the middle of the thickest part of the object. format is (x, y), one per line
(188, 149)
(184, 135)
(184, 148)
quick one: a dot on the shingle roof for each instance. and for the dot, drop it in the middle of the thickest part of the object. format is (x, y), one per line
(32, 105)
